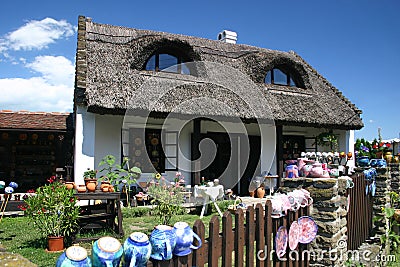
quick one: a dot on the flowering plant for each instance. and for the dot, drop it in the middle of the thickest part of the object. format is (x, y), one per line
(168, 198)
(53, 210)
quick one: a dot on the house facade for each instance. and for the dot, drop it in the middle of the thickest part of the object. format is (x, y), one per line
(206, 108)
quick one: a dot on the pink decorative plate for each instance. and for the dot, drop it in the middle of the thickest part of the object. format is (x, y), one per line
(308, 229)
(294, 233)
(281, 241)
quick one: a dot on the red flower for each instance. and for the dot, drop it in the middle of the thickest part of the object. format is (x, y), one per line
(388, 145)
(22, 206)
(375, 146)
(380, 144)
(31, 191)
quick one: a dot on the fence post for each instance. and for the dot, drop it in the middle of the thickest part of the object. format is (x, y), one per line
(214, 244)
(250, 230)
(260, 236)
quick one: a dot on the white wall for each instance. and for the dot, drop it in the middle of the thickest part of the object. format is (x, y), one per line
(84, 153)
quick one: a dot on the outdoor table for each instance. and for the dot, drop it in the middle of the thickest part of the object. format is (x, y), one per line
(209, 193)
(113, 210)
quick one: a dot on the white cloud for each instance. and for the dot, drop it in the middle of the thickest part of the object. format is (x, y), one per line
(53, 91)
(55, 70)
(35, 94)
(36, 35)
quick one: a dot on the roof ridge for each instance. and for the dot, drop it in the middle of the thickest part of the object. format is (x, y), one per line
(334, 89)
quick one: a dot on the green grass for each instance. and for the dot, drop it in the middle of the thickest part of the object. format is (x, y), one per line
(18, 235)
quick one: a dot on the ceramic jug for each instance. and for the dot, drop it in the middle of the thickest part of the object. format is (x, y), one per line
(305, 171)
(137, 250)
(106, 251)
(184, 239)
(74, 256)
(162, 240)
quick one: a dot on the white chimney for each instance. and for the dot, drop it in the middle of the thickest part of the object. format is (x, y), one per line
(227, 37)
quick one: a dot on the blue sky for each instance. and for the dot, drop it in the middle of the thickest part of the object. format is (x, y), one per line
(354, 44)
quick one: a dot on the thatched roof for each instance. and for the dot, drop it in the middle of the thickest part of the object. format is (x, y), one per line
(110, 79)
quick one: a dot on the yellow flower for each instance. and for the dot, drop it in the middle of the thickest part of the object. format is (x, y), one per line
(158, 176)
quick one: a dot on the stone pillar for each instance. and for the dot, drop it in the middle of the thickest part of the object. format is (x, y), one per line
(329, 211)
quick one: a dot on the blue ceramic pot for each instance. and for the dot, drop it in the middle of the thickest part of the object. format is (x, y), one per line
(74, 256)
(162, 240)
(363, 161)
(107, 252)
(184, 239)
(380, 163)
(137, 250)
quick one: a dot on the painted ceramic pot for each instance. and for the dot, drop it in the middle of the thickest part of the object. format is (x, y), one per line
(316, 170)
(184, 239)
(81, 188)
(106, 251)
(162, 240)
(363, 161)
(292, 171)
(380, 163)
(137, 250)
(74, 256)
(307, 168)
(91, 186)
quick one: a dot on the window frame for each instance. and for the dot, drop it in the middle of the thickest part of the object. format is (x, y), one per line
(289, 78)
(180, 62)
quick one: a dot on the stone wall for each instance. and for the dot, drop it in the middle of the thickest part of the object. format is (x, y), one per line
(329, 211)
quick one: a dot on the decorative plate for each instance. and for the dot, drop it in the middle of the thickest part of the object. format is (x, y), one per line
(294, 233)
(138, 141)
(154, 141)
(281, 241)
(308, 229)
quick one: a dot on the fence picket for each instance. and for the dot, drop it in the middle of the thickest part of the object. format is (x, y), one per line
(259, 234)
(214, 242)
(227, 239)
(239, 238)
(250, 230)
(200, 255)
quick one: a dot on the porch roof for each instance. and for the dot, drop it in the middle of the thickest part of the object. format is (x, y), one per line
(110, 79)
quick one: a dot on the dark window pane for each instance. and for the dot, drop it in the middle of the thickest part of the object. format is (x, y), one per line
(280, 77)
(151, 63)
(268, 78)
(168, 63)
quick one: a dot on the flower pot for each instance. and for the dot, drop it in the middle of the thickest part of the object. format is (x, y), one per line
(105, 184)
(81, 188)
(261, 192)
(251, 193)
(91, 186)
(55, 243)
(70, 185)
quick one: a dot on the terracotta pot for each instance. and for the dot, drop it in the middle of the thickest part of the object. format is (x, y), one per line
(105, 188)
(70, 185)
(104, 184)
(251, 193)
(55, 243)
(91, 186)
(260, 192)
(81, 188)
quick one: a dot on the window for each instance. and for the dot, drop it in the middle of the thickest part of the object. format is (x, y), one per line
(279, 77)
(167, 63)
(146, 152)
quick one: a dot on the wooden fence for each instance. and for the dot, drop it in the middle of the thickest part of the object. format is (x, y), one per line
(249, 242)
(360, 213)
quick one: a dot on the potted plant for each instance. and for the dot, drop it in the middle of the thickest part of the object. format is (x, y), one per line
(54, 212)
(115, 174)
(90, 179)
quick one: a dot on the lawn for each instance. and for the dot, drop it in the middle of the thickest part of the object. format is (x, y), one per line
(18, 235)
